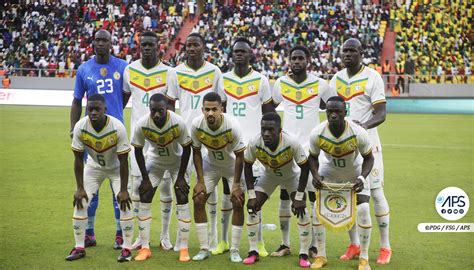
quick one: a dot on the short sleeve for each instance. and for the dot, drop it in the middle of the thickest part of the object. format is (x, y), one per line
(276, 93)
(126, 80)
(79, 86)
(77, 144)
(264, 91)
(377, 94)
(363, 142)
(332, 83)
(123, 145)
(238, 144)
(138, 138)
(196, 142)
(325, 91)
(219, 84)
(172, 91)
(249, 154)
(298, 153)
(184, 138)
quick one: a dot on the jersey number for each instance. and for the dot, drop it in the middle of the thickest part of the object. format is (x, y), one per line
(299, 112)
(100, 160)
(218, 155)
(163, 152)
(341, 163)
(277, 172)
(238, 108)
(348, 108)
(195, 101)
(146, 99)
(105, 86)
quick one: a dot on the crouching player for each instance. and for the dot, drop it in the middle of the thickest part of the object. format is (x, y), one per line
(346, 157)
(105, 140)
(285, 166)
(170, 148)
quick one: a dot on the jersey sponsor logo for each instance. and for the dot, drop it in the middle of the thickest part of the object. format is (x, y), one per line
(348, 90)
(215, 141)
(195, 83)
(99, 144)
(299, 94)
(240, 90)
(338, 149)
(274, 161)
(162, 138)
(147, 82)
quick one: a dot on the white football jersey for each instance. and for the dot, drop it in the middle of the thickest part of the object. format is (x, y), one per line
(301, 102)
(191, 87)
(361, 92)
(341, 159)
(142, 83)
(166, 142)
(281, 163)
(102, 146)
(245, 97)
(221, 144)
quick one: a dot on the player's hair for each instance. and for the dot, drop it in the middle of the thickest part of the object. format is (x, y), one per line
(272, 116)
(96, 97)
(149, 34)
(158, 97)
(359, 44)
(242, 39)
(337, 98)
(212, 97)
(197, 35)
(301, 48)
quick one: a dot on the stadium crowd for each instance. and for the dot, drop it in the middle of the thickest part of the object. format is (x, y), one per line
(433, 42)
(56, 38)
(274, 29)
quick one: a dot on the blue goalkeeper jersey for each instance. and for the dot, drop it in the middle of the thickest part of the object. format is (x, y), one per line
(107, 80)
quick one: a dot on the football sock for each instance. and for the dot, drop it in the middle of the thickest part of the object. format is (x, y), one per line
(365, 228)
(382, 215)
(201, 229)
(252, 226)
(212, 210)
(304, 229)
(94, 203)
(144, 223)
(166, 201)
(319, 233)
(285, 215)
(79, 223)
(236, 236)
(126, 222)
(226, 212)
(184, 224)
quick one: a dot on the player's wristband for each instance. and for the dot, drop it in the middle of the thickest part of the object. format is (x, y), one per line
(252, 194)
(362, 179)
(299, 195)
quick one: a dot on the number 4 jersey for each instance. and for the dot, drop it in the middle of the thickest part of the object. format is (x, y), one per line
(102, 146)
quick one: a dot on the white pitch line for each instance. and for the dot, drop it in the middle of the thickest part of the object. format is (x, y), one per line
(427, 146)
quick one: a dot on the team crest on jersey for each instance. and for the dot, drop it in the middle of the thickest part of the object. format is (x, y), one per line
(251, 87)
(116, 75)
(274, 162)
(348, 90)
(195, 85)
(239, 90)
(207, 80)
(338, 149)
(103, 72)
(146, 82)
(111, 140)
(299, 94)
(98, 145)
(215, 143)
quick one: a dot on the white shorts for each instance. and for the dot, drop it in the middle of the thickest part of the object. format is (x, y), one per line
(94, 177)
(376, 175)
(212, 175)
(134, 170)
(268, 184)
(157, 175)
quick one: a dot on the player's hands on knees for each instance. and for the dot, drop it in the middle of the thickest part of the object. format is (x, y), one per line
(199, 191)
(252, 206)
(78, 196)
(181, 185)
(145, 186)
(123, 198)
(299, 207)
(237, 196)
(358, 185)
(318, 182)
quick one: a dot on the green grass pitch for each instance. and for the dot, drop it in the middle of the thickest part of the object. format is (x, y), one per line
(422, 154)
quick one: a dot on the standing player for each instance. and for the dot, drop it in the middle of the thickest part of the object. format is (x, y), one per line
(248, 96)
(169, 151)
(301, 94)
(347, 157)
(285, 166)
(105, 139)
(142, 79)
(196, 78)
(100, 75)
(221, 136)
(363, 90)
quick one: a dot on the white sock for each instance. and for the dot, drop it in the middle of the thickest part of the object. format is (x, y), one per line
(166, 202)
(354, 235)
(201, 229)
(260, 228)
(144, 223)
(184, 224)
(226, 212)
(212, 210)
(79, 223)
(319, 233)
(365, 228)
(252, 226)
(313, 220)
(382, 215)
(236, 237)
(304, 229)
(126, 222)
(285, 215)
(136, 180)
